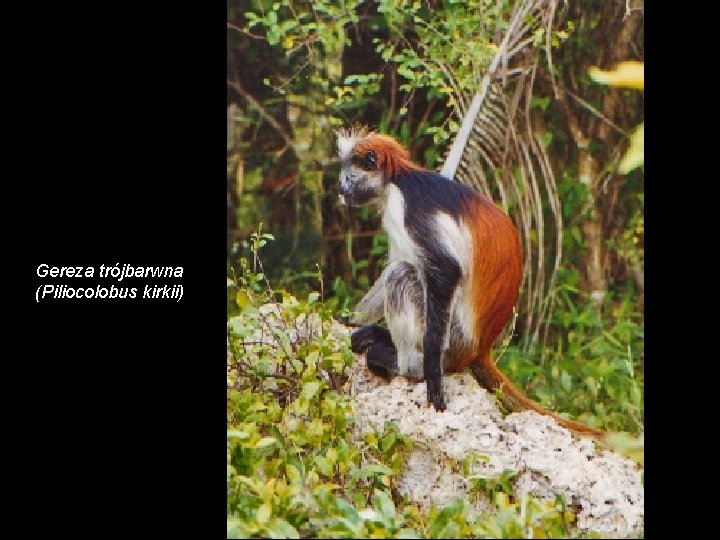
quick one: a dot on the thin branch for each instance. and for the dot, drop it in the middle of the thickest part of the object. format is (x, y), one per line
(254, 103)
(243, 31)
(594, 111)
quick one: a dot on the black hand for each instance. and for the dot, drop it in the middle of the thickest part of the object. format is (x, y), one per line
(343, 319)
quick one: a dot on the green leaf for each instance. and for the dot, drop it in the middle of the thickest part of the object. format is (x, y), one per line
(385, 503)
(236, 529)
(284, 340)
(439, 523)
(546, 138)
(443, 525)
(323, 465)
(387, 441)
(309, 390)
(279, 528)
(542, 103)
(265, 441)
(408, 533)
(565, 381)
(293, 473)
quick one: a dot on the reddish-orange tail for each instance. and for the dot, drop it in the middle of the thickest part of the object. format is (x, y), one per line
(491, 378)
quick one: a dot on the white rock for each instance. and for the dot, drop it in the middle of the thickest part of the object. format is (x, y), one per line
(605, 487)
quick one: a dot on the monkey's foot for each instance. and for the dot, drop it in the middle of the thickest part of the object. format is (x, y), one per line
(435, 394)
(361, 339)
(382, 360)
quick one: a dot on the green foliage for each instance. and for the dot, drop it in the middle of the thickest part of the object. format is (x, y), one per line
(594, 370)
(355, 91)
(449, 44)
(291, 24)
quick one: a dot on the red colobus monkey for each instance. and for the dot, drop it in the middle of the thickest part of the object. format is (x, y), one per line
(453, 274)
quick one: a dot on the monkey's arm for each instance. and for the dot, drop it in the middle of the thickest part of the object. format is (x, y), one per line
(372, 307)
(442, 275)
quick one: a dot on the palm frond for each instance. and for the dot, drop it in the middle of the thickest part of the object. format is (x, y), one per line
(499, 151)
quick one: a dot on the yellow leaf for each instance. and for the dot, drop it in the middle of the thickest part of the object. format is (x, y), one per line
(502, 500)
(635, 155)
(629, 74)
(312, 478)
(268, 491)
(253, 484)
(292, 473)
(242, 298)
(265, 441)
(263, 514)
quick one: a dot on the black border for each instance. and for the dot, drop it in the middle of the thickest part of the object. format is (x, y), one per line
(117, 408)
(680, 280)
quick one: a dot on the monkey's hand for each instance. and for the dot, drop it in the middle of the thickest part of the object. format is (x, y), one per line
(435, 393)
(343, 319)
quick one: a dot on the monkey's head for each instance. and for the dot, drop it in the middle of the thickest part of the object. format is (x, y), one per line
(369, 161)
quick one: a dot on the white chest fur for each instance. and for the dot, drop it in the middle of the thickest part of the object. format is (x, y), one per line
(402, 247)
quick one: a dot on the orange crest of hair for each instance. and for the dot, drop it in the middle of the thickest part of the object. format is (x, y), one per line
(392, 158)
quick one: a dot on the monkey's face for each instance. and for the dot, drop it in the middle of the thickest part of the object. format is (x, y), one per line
(361, 182)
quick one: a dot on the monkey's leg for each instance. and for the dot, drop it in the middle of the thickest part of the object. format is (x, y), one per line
(361, 339)
(442, 276)
(381, 355)
(404, 313)
(398, 351)
(382, 360)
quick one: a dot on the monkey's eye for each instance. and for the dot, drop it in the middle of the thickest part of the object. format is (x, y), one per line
(367, 162)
